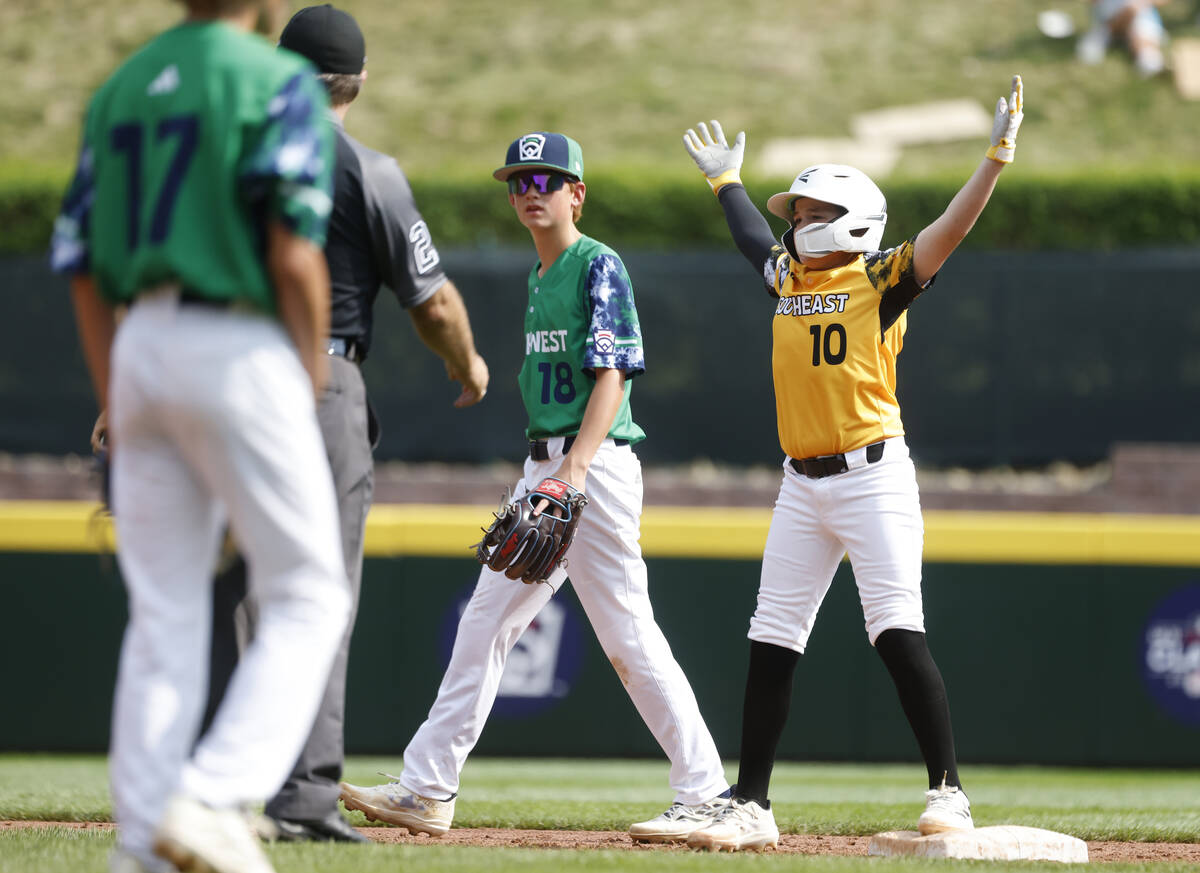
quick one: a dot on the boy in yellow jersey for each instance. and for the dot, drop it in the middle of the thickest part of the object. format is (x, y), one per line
(848, 483)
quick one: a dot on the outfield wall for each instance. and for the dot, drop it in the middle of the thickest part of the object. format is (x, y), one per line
(1011, 358)
(1064, 639)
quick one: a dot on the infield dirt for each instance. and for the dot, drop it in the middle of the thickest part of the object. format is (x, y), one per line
(789, 844)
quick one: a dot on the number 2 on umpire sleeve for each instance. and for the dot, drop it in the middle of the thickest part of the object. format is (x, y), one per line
(127, 138)
(564, 387)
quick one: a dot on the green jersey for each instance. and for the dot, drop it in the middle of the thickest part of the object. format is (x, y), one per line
(198, 141)
(580, 317)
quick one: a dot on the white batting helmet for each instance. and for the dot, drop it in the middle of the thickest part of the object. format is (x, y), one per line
(859, 230)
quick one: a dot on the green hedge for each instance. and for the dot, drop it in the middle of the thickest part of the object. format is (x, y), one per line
(29, 200)
(647, 209)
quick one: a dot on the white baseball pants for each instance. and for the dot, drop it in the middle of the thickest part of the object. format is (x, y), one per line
(872, 512)
(213, 420)
(609, 575)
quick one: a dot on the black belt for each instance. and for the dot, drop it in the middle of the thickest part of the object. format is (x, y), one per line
(346, 348)
(539, 450)
(195, 298)
(830, 465)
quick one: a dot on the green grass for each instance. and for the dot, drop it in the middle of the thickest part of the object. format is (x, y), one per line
(847, 799)
(61, 851)
(452, 83)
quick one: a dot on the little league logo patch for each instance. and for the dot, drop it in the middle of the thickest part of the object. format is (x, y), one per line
(1171, 654)
(542, 666)
(604, 341)
(531, 146)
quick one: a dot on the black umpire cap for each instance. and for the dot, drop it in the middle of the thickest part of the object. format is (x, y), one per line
(328, 37)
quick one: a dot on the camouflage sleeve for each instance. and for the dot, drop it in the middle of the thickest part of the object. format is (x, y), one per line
(775, 270)
(289, 169)
(891, 274)
(614, 336)
(69, 252)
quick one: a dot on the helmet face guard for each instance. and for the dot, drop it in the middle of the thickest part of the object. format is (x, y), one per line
(850, 233)
(860, 229)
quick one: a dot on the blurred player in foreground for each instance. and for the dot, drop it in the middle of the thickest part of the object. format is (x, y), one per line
(376, 236)
(200, 200)
(848, 483)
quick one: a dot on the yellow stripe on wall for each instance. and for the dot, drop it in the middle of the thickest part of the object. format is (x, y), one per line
(700, 532)
(54, 526)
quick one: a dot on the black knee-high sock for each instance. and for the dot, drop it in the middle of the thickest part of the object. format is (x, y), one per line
(764, 713)
(923, 698)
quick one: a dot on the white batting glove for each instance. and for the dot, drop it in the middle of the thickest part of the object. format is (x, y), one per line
(719, 163)
(1008, 120)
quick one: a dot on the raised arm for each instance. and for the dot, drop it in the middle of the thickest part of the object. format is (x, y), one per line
(721, 166)
(935, 243)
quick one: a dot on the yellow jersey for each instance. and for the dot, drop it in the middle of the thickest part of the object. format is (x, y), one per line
(836, 335)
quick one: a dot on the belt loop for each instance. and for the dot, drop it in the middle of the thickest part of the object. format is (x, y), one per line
(856, 458)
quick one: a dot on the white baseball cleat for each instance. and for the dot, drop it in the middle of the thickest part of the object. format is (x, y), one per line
(678, 822)
(742, 824)
(394, 805)
(197, 837)
(121, 861)
(1092, 45)
(946, 809)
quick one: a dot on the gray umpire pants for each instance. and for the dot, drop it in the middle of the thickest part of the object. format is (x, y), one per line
(311, 791)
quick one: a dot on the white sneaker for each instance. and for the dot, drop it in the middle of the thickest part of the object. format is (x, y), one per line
(1150, 62)
(678, 822)
(121, 861)
(742, 824)
(193, 836)
(1092, 45)
(394, 805)
(946, 809)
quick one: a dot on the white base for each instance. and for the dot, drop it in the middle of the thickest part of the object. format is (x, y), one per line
(999, 843)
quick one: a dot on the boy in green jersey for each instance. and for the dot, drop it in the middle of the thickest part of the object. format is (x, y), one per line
(200, 202)
(583, 346)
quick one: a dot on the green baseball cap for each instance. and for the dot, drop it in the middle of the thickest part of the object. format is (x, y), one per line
(541, 150)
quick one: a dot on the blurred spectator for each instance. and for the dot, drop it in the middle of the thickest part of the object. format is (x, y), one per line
(1136, 23)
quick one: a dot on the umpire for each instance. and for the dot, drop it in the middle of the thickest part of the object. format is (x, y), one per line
(376, 236)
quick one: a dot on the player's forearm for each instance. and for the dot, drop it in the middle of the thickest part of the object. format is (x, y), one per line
(444, 326)
(300, 277)
(936, 242)
(750, 231)
(96, 322)
(960, 216)
(598, 419)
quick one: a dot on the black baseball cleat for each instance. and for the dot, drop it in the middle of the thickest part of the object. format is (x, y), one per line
(332, 828)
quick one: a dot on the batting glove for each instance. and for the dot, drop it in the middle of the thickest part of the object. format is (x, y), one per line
(720, 164)
(1008, 120)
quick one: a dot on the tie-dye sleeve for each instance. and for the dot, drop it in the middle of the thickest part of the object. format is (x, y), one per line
(289, 170)
(69, 251)
(614, 336)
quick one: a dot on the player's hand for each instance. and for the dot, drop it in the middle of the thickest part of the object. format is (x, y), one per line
(567, 472)
(474, 381)
(720, 163)
(1008, 120)
(100, 432)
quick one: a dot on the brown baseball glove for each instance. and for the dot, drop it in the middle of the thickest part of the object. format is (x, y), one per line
(525, 544)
